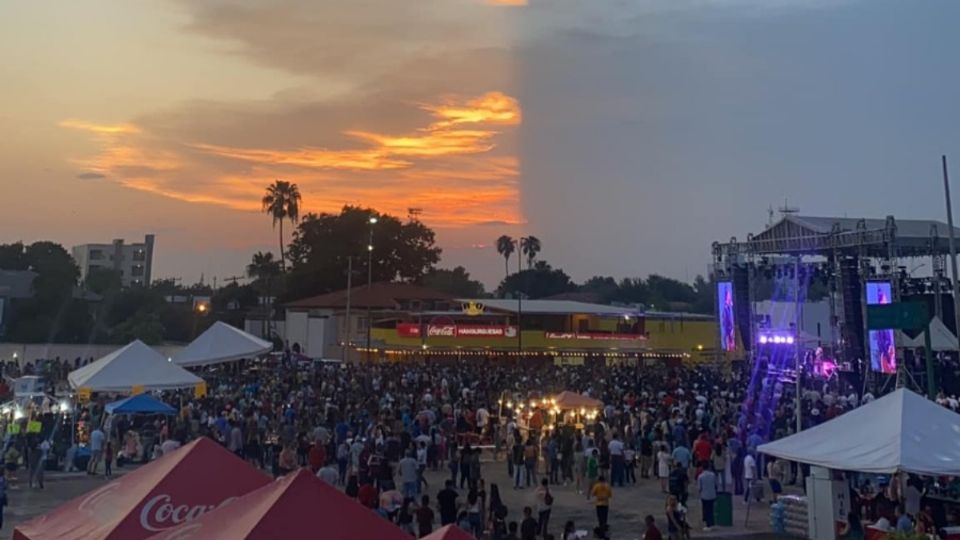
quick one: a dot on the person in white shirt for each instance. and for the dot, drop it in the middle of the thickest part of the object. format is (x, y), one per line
(749, 475)
(169, 446)
(329, 473)
(96, 450)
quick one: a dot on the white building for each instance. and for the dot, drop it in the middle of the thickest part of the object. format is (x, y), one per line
(134, 262)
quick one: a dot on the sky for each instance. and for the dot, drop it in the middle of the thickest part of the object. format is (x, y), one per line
(628, 135)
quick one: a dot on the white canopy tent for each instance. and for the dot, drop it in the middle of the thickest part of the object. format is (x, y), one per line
(901, 431)
(221, 343)
(133, 365)
(941, 338)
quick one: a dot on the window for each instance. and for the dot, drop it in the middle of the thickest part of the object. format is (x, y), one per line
(137, 270)
(139, 255)
(96, 254)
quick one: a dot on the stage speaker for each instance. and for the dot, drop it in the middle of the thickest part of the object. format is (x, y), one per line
(741, 292)
(852, 322)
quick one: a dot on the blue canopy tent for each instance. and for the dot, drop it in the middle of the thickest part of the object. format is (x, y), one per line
(140, 404)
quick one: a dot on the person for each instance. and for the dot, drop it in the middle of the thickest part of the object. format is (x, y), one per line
(518, 468)
(405, 517)
(593, 470)
(749, 475)
(329, 473)
(409, 475)
(36, 475)
(853, 529)
(424, 517)
(681, 454)
(352, 488)
(569, 531)
(288, 460)
(530, 461)
(169, 446)
(912, 496)
(529, 526)
(447, 503)
(3, 494)
(663, 468)
(904, 523)
(513, 527)
(235, 440)
(475, 513)
(602, 492)
(108, 457)
(544, 505)
(617, 465)
(707, 486)
(676, 523)
(96, 450)
(678, 483)
(651, 532)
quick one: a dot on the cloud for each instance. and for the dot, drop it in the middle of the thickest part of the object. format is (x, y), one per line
(452, 166)
(91, 176)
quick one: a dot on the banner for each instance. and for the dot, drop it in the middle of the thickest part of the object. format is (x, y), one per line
(34, 426)
(200, 390)
(408, 330)
(471, 331)
(596, 336)
(137, 389)
(83, 394)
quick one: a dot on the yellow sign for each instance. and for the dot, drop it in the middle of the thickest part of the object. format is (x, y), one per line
(200, 390)
(473, 309)
(34, 426)
(137, 389)
(83, 393)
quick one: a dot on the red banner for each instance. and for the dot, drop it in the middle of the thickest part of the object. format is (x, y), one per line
(594, 336)
(455, 331)
(408, 330)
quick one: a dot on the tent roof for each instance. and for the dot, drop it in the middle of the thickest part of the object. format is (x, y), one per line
(198, 477)
(292, 507)
(573, 400)
(450, 532)
(941, 338)
(139, 404)
(221, 343)
(135, 364)
(901, 431)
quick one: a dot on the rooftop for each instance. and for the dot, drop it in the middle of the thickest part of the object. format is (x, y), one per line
(553, 307)
(379, 295)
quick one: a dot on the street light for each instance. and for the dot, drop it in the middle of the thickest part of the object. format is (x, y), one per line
(372, 221)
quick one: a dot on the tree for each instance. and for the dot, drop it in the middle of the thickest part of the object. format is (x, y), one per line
(264, 269)
(704, 295)
(505, 247)
(530, 247)
(13, 256)
(604, 287)
(455, 282)
(540, 281)
(102, 280)
(282, 201)
(323, 243)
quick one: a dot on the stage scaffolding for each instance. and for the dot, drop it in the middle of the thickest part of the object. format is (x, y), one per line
(846, 253)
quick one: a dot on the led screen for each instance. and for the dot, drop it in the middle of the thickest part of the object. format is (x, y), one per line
(728, 334)
(883, 347)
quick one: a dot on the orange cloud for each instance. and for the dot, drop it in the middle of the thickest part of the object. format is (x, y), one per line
(507, 2)
(450, 168)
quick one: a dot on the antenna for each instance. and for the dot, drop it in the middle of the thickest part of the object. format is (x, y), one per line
(233, 279)
(787, 210)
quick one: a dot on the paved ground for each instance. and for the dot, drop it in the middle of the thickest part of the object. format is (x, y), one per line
(629, 505)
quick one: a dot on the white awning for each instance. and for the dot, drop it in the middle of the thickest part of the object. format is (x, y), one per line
(901, 431)
(941, 338)
(221, 343)
(133, 365)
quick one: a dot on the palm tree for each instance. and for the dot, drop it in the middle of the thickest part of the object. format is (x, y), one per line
(530, 246)
(282, 201)
(505, 247)
(264, 268)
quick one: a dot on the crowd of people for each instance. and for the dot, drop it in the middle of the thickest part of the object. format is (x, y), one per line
(375, 430)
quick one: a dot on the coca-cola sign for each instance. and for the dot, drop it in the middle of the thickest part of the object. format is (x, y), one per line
(408, 330)
(442, 330)
(160, 512)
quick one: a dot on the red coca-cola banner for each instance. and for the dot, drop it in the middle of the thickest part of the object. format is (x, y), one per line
(601, 336)
(455, 330)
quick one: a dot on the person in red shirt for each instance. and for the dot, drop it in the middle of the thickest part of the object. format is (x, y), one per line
(652, 532)
(702, 449)
(368, 496)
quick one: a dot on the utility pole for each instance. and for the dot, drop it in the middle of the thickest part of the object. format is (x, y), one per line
(519, 295)
(953, 247)
(373, 221)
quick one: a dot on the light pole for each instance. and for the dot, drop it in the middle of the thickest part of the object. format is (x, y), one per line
(372, 222)
(520, 242)
(346, 348)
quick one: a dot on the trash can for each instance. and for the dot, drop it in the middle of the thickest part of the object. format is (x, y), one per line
(723, 510)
